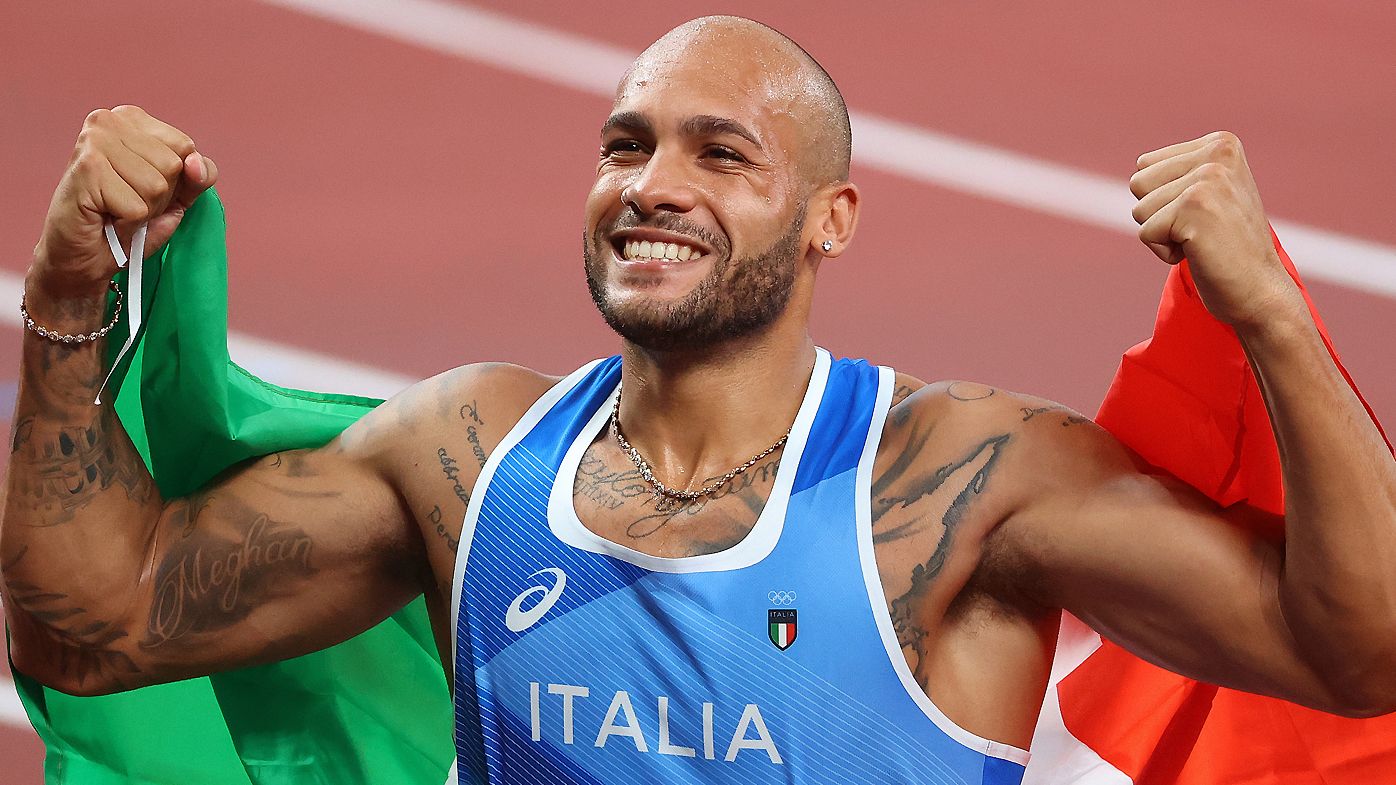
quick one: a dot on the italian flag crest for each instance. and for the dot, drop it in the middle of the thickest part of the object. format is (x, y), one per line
(781, 623)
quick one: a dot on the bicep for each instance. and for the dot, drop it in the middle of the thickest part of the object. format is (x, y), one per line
(1164, 572)
(284, 555)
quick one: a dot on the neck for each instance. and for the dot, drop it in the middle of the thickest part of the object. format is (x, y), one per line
(697, 414)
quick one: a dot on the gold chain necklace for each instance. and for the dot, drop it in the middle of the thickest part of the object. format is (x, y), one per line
(667, 499)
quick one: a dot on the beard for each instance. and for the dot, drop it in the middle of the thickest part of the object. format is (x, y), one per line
(737, 298)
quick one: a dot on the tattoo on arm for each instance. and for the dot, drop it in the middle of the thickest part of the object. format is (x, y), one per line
(80, 645)
(902, 392)
(473, 436)
(980, 460)
(471, 411)
(451, 469)
(438, 525)
(985, 453)
(13, 561)
(969, 391)
(65, 472)
(1068, 420)
(209, 581)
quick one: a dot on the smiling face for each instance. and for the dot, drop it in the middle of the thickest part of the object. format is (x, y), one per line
(695, 227)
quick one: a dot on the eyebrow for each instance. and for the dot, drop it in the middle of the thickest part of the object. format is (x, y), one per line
(698, 125)
(629, 121)
(710, 125)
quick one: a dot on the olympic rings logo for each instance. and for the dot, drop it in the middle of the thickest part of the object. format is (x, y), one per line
(781, 597)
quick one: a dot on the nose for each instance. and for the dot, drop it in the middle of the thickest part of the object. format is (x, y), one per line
(663, 184)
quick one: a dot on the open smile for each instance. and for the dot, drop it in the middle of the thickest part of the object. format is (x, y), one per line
(650, 249)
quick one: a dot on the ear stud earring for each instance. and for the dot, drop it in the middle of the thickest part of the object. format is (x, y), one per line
(828, 246)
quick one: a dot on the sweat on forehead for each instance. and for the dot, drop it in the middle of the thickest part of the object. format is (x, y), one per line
(743, 57)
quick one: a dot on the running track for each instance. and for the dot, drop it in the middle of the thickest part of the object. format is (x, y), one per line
(400, 190)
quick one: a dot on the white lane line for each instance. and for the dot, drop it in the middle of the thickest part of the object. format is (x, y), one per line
(890, 146)
(283, 365)
(11, 710)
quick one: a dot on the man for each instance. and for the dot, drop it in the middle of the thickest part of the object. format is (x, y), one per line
(771, 565)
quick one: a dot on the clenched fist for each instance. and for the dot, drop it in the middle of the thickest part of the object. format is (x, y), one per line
(127, 167)
(1198, 200)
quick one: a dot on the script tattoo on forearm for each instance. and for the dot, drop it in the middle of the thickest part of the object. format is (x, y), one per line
(979, 463)
(208, 581)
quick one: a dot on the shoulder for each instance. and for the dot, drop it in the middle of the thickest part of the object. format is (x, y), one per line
(1014, 460)
(963, 412)
(480, 401)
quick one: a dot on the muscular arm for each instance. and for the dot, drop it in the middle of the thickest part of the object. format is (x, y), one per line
(1311, 618)
(109, 587)
(1309, 615)
(1303, 609)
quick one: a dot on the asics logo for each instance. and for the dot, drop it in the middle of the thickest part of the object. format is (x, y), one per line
(781, 597)
(518, 619)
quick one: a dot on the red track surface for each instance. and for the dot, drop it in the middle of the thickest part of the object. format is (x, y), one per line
(401, 208)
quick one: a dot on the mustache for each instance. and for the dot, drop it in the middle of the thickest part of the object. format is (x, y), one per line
(668, 222)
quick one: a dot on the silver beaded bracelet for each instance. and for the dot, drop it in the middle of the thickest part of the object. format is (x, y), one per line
(57, 337)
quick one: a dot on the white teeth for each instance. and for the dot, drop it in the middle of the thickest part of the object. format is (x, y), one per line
(633, 250)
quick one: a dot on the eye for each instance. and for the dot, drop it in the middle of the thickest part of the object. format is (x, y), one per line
(622, 147)
(725, 154)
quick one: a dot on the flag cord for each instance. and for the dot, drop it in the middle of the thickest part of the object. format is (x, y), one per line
(132, 262)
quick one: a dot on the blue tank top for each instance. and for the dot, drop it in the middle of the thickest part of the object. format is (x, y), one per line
(580, 660)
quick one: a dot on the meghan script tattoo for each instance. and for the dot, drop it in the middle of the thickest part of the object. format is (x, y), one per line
(209, 580)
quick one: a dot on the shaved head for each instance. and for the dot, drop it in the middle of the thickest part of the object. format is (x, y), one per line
(763, 60)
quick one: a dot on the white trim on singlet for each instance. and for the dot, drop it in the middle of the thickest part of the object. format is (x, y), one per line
(525, 424)
(755, 546)
(873, 579)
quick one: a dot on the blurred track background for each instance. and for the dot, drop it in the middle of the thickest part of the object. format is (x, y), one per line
(404, 180)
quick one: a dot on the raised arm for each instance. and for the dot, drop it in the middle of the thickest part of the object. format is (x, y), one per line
(1309, 616)
(106, 585)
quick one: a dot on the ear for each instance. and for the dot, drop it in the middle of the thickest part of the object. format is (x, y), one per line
(832, 217)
